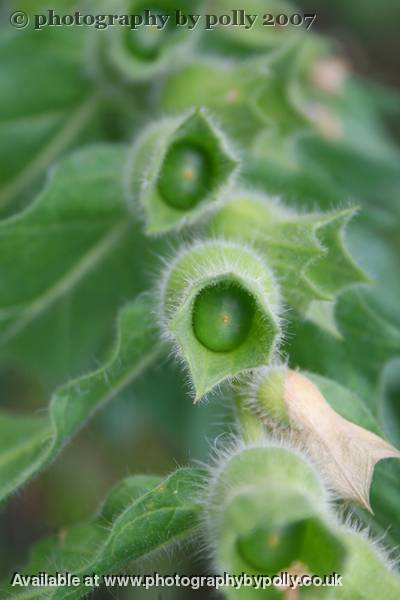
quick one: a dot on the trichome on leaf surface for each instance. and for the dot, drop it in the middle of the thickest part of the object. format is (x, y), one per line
(225, 204)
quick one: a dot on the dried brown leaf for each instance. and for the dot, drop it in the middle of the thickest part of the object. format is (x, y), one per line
(345, 452)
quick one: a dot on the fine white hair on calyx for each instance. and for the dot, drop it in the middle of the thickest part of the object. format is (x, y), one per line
(249, 392)
(169, 129)
(208, 270)
(389, 556)
(224, 449)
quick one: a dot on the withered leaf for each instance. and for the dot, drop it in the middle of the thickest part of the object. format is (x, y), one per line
(345, 453)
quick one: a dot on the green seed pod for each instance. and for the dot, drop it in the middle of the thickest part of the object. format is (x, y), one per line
(220, 308)
(222, 316)
(186, 175)
(145, 42)
(267, 512)
(228, 90)
(262, 102)
(178, 170)
(273, 548)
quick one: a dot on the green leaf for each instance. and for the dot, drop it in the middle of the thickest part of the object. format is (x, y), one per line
(27, 445)
(67, 229)
(282, 174)
(144, 514)
(346, 403)
(336, 270)
(365, 141)
(389, 410)
(260, 39)
(276, 99)
(178, 171)
(124, 492)
(372, 178)
(306, 251)
(356, 360)
(46, 104)
(67, 262)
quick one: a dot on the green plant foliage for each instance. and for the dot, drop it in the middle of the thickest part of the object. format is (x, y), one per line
(27, 444)
(145, 52)
(230, 93)
(278, 517)
(222, 316)
(306, 251)
(54, 256)
(53, 225)
(368, 341)
(377, 579)
(268, 397)
(231, 288)
(234, 41)
(255, 534)
(57, 105)
(227, 196)
(140, 516)
(177, 170)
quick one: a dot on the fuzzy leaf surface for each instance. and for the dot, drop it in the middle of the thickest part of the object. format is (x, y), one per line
(67, 263)
(47, 101)
(356, 360)
(153, 514)
(28, 444)
(306, 251)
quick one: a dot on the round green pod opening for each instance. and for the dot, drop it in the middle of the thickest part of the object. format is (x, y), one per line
(186, 175)
(146, 41)
(222, 316)
(269, 550)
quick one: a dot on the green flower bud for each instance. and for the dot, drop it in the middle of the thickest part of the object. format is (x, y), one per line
(220, 308)
(146, 44)
(228, 90)
(267, 511)
(178, 171)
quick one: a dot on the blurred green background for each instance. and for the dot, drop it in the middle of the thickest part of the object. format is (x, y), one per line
(152, 426)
